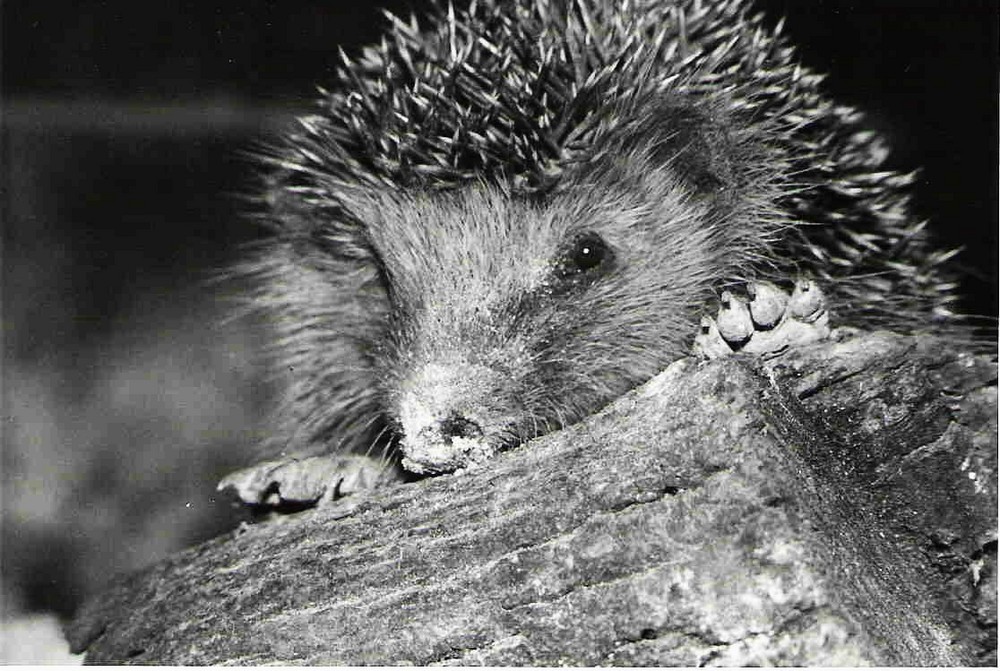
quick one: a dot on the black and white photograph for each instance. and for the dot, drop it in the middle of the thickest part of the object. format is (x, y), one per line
(511, 333)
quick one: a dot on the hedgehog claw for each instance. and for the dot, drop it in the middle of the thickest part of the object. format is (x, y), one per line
(807, 303)
(297, 481)
(708, 344)
(769, 322)
(735, 323)
(768, 304)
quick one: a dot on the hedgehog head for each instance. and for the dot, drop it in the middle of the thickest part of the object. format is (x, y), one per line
(511, 314)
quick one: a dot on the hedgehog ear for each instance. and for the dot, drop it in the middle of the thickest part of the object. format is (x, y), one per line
(312, 221)
(695, 146)
(688, 141)
(285, 196)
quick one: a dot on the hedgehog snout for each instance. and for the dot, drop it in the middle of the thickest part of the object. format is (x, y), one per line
(446, 414)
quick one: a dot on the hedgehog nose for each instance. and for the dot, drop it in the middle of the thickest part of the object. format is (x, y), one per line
(445, 445)
(445, 415)
(456, 426)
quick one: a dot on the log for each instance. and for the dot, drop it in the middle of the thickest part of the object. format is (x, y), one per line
(835, 505)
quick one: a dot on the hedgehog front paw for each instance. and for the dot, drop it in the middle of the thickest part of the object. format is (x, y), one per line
(298, 482)
(768, 321)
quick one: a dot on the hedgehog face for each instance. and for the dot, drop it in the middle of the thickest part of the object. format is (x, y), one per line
(511, 316)
(471, 318)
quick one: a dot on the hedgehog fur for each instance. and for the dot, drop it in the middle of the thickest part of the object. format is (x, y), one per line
(516, 211)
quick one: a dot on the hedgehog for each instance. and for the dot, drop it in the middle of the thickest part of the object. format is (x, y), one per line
(506, 215)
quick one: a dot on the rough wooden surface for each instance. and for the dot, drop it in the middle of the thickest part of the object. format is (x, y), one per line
(834, 506)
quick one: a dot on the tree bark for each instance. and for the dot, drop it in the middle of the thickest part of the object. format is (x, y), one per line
(835, 505)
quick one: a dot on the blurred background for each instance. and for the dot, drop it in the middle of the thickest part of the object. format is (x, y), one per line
(125, 126)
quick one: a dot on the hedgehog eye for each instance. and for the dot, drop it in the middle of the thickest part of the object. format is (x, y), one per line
(585, 254)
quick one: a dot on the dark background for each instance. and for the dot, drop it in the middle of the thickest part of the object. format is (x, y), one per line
(126, 396)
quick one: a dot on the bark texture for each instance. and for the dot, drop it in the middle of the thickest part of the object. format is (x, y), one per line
(832, 506)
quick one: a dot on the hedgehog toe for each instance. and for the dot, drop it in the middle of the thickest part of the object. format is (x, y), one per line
(769, 321)
(304, 481)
